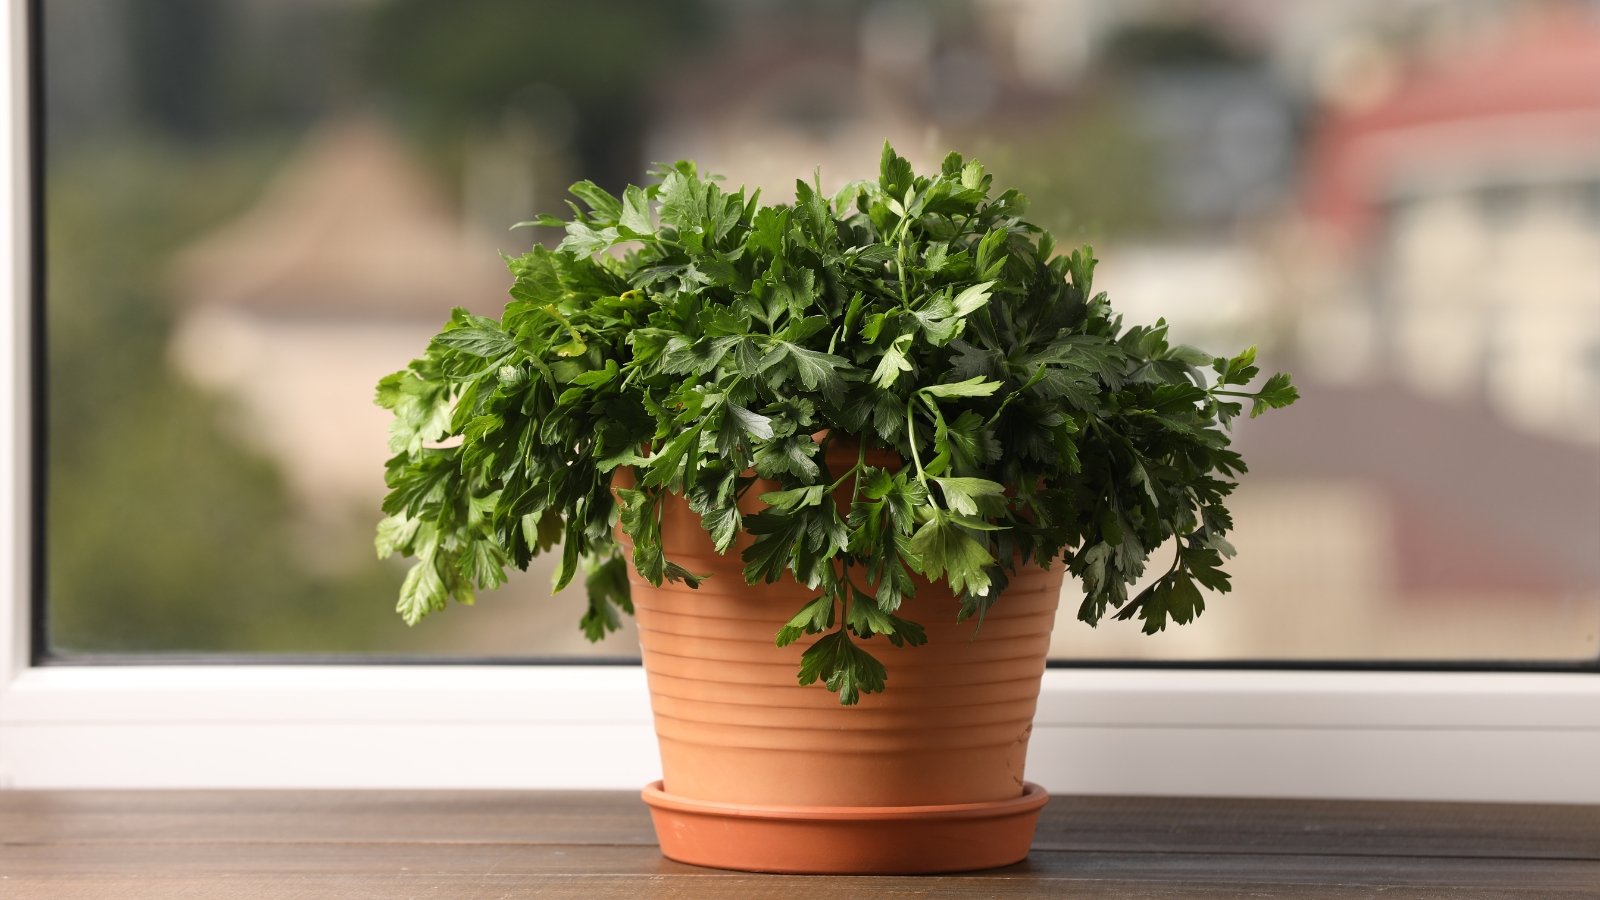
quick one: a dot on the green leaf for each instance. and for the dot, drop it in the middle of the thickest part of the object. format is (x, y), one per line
(938, 320)
(421, 408)
(671, 571)
(811, 212)
(813, 618)
(795, 498)
(395, 534)
(1173, 597)
(969, 496)
(584, 239)
(794, 294)
(684, 356)
(765, 558)
(972, 387)
(605, 206)
(894, 172)
(490, 343)
(942, 548)
(683, 198)
(972, 299)
(637, 510)
(1081, 263)
(668, 467)
(484, 564)
(815, 369)
(1240, 369)
(608, 591)
(722, 525)
(545, 530)
(1277, 393)
(542, 219)
(866, 618)
(904, 497)
(650, 561)
(538, 282)
(634, 214)
(843, 667)
(893, 362)
(564, 573)
(972, 175)
(753, 424)
(970, 442)
(423, 590)
(768, 230)
(989, 256)
(787, 456)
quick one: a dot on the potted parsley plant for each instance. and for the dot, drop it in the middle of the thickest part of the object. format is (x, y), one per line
(837, 455)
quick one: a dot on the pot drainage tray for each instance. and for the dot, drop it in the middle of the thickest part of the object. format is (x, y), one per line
(843, 840)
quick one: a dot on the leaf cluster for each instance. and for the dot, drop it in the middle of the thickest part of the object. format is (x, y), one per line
(717, 345)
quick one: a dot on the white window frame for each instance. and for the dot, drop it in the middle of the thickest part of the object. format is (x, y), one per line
(1420, 735)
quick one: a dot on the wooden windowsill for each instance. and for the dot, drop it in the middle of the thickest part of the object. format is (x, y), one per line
(593, 845)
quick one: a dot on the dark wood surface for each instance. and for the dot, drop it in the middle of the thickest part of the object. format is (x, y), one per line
(589, 846)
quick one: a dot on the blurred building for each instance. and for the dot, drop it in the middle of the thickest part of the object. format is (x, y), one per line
(341, 273)
(1466, 203)
(1437, 488)
(1439, 478)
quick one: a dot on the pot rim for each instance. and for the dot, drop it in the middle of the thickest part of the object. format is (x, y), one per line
(1033, 797)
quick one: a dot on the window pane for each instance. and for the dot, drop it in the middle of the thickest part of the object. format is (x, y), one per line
(255, 210)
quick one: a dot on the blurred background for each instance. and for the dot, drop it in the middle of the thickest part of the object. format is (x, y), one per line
(256, 208)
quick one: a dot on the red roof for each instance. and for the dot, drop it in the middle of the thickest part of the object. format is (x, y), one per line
(1532, 92)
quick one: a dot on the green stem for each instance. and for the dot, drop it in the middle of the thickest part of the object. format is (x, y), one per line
(901, 232)
(1177, 558)
(835, 486)
(861, 461)
(911, 438)
(900, 265)
(967, 221)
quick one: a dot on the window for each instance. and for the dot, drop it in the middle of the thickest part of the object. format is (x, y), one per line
(1253, 731)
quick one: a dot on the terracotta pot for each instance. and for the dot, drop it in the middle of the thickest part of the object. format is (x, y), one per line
(763, 774)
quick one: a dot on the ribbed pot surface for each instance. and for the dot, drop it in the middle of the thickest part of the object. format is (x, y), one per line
(735, 727)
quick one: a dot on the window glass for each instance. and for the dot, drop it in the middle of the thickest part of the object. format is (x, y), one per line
(254, 210)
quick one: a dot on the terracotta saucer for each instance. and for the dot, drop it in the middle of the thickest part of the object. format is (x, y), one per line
(842, 840)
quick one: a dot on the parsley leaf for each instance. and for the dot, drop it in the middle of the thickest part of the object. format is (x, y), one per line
(944, 548)
(972, 387)
(843, 667)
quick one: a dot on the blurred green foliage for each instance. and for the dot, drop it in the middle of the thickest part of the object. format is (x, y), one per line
(1089, 174)
(1172, 44)
(163, 532)
(455, 66)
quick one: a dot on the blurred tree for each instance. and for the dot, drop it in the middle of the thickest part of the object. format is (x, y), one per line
(460, 65)
(176, 54)
(162, 532)
(1087, 170)
(1144, 44)
(195, 70)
